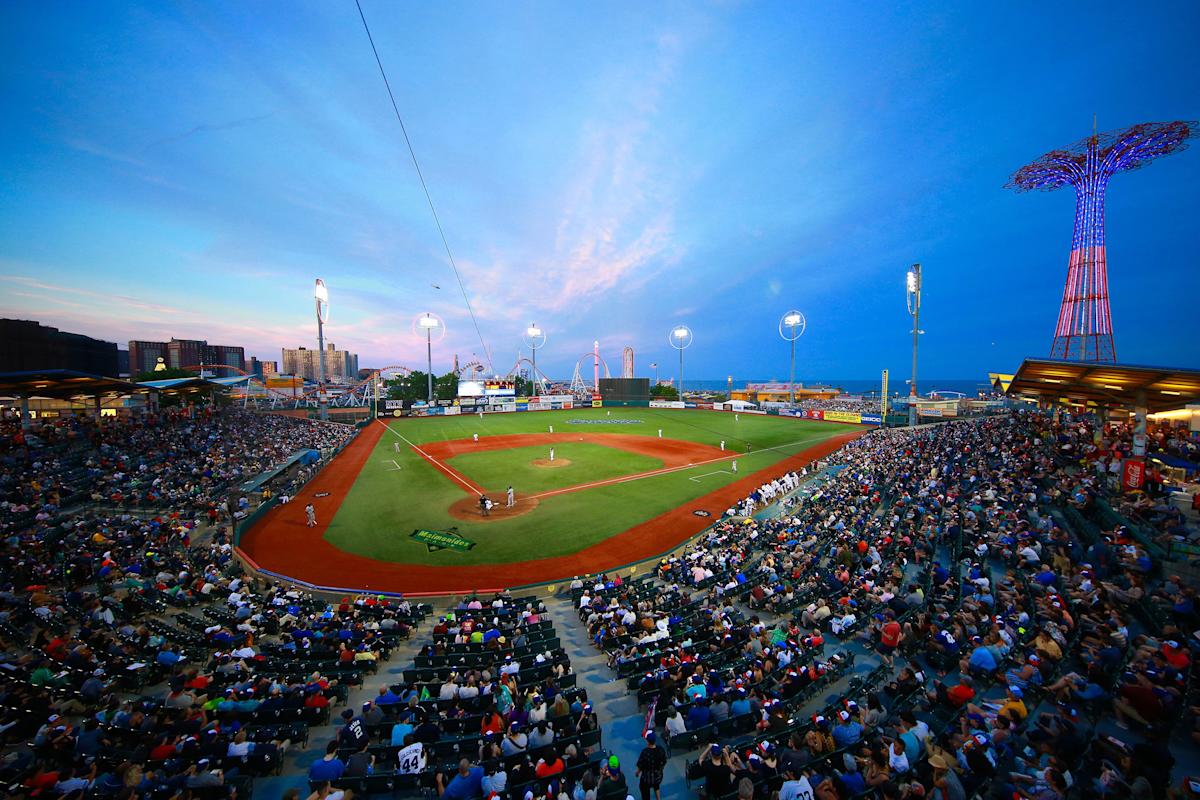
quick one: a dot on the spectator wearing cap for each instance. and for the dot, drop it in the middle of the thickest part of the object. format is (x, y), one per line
(515, 741)
(945, 780)
(612, 779)
(699, 715)
(848, 731)
(982, 660)
(372, 714)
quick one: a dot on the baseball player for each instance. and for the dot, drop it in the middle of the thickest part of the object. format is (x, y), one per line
(310, 511)
(722, 445)
(512, 500)
(551, 453)
(475, 436)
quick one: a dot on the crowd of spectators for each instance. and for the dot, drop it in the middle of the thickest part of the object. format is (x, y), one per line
(180, 460)
(137, 661)
(1009, 607)
(966, 609)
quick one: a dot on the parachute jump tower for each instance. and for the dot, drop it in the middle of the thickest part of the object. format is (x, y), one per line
(1084, 331)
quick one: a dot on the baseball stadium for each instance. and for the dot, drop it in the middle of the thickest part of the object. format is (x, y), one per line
(628, 476)
(622, 486)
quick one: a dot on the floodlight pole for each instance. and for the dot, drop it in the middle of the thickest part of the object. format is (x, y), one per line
(914, 309)
(321, 295)
(429, 361)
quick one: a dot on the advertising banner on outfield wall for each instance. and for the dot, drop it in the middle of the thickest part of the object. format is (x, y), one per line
(849, 417)
(872, 419)
(667, 404)
(392, 405)
(450, 411)
(814, 413)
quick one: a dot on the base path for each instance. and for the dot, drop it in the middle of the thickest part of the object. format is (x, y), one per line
(281, 542)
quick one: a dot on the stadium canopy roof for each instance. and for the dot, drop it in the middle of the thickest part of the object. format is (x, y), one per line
(63, 384)
(184, 385)
(1106, 385)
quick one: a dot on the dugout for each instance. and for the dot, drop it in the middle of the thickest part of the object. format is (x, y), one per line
(625, 391)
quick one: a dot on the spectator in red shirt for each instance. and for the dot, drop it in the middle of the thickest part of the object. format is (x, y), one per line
(890, 636)
(954, 696)
(550, 766)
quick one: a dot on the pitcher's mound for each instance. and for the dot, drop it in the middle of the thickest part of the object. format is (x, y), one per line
(467, 509)
(558, 462)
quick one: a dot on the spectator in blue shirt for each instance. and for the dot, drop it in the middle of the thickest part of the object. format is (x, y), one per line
(329, 768)
(982, 659)
(699, 715)
(466, 785)
(848, 732)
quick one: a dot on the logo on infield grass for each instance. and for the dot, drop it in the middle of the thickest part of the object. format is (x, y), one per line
(442, 540)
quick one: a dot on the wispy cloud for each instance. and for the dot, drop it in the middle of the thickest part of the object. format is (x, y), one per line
(208, 128)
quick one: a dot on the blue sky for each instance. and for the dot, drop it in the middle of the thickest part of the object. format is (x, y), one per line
(607, 170)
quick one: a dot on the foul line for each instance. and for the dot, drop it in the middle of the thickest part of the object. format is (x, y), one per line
(696, 478)
(472, 489)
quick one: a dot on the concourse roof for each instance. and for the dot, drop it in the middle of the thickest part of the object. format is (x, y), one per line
(1106, 385)
(62, 384)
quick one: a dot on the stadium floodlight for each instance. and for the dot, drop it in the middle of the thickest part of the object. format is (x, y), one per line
(912, 283)
(429, 322)
(680, 339)
(321, 296)
(534, 337)
(791, 327)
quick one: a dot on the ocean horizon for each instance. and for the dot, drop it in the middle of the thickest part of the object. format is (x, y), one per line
(850, 385)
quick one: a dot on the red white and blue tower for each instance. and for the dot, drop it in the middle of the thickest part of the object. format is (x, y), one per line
(1085, 331)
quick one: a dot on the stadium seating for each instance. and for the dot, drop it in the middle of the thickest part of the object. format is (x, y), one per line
(139, 660)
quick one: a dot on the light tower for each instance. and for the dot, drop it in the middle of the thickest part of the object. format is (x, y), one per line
(535, 337)
(912, 285)
(1084, 330)
(321, 295)
(427, 323)
(791, 328)
(680, 339)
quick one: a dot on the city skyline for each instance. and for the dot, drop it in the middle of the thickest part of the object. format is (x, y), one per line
(606, 172)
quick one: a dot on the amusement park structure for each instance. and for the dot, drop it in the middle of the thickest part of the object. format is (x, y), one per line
(627, 362)
(1084, 330)
(255, 392)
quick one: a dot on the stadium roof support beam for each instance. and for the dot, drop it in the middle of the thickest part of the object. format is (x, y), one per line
(1105, 386)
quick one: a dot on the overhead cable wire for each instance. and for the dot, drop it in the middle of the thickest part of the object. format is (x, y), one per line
(428, 197)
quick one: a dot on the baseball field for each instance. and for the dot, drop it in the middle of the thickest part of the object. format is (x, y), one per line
(399, 509)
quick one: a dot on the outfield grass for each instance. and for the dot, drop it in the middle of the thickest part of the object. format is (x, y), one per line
(399, 491)
(498, 469)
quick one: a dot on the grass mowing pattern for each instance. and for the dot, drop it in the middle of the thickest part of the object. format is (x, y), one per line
(497, 469)
(397, 492)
